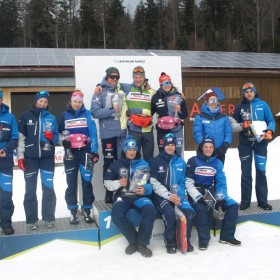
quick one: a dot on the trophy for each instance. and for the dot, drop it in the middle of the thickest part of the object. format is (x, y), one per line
(174, 188)
(123, 172)
(246, 116)
(140, 178)
(47, 127)
(175, 102)
(117, 100)
(68, 153)
(219, 196)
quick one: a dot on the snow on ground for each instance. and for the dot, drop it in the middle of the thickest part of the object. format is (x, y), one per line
(257, 258)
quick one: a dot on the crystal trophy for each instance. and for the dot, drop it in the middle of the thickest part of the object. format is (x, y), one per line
(65, 136)
(175, 102)
(219, 196)
(123, 172)
(117, 101)
(140, 178)
(47, 127)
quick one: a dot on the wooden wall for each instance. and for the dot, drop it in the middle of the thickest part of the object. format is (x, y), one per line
(195, 84)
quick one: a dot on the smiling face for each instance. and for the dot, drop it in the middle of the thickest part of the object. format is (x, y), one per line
(170, 149)
(166, 86)
(130, 154)
(76, 104)
(138, 80)
(212, 102)
(249, 94)
(208, 149)
(113, 79)
(42, 103)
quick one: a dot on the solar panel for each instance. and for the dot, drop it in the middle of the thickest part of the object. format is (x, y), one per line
(189, 59)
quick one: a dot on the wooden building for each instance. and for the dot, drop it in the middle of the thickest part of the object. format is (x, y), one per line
(25, 71)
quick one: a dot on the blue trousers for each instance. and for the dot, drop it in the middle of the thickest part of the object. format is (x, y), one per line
(72, 168)
(166, 208)
(46, 167)
(203, 222)
(6, 202)
(246, 152)
(120, 220)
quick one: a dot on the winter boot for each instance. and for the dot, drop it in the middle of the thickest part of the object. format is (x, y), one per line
(74, 217)
(88, 219)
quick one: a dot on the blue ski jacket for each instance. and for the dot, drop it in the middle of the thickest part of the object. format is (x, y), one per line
(8, 135)
(214, 124)
(31, 133)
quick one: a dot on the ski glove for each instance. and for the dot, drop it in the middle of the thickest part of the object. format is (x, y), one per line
(220, 203)
(95, 157)
(22, 164)
(202, 201)
(268, 135)
(48, 135)
(66, 144)
(223, 149)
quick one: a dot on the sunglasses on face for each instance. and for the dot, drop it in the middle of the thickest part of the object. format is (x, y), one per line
(248, 85)
(138, 70)
(114, 77)
(166, 84)
(211, 101)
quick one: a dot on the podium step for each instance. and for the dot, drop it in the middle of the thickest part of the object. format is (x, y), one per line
(25, 239)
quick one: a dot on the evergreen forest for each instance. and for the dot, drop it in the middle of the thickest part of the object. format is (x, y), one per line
(214, 25)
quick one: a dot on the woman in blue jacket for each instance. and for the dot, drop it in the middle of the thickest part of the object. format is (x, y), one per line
(125, 198)
(8, 142)
(35, 152)
(168, 169)
(249, 145)
(212, 122)
(78, 122)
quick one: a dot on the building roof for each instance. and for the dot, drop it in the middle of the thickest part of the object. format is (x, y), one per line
(50, 57)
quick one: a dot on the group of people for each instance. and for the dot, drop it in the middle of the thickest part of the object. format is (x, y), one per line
(150, 185)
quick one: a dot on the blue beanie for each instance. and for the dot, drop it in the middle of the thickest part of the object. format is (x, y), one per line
(169, 138)
(1, 94)
(247, 86)
(207, 139)
(129, 143)
(42, 94)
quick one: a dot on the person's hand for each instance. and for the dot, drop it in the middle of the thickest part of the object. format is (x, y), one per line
(95, 157)
(48, 135)
(66, 144)
(2, 153)
(202, 201)
(268, 135)
(98, 90)
(175, 199)
(223, 149)
(22, 164)
(177, 108)
(246, 124)
(220, 203)
(140, 190)
(123, 182)
(182, 95)
(117, 108)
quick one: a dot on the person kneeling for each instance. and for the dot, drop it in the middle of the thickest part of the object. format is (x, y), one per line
(205, 177)
(131, 191)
